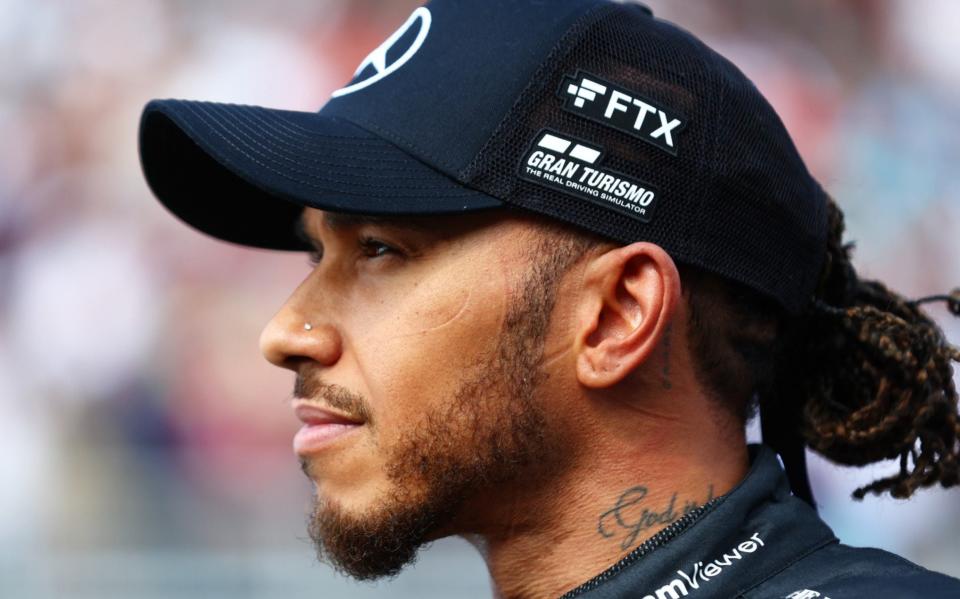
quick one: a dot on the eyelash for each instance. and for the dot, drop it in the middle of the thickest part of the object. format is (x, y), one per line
(365, 244)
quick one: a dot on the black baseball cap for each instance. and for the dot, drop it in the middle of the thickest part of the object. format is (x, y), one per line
(589, 111)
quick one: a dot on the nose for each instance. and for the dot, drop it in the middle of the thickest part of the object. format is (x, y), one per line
(286, 342)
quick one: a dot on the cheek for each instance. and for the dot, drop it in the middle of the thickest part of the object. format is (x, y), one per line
(431, 306)
(416, 350)
(438, 306)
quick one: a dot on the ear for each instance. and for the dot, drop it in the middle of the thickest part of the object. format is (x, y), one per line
(629, 295)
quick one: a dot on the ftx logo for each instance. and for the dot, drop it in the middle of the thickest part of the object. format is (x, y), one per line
(617, 107)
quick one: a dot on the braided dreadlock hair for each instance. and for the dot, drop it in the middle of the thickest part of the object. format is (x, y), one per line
(862, 375)
(878, 382)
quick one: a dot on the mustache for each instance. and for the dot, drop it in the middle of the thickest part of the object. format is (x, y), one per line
(334, 396)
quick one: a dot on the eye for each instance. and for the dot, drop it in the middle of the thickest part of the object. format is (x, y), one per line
(374, 248)
(314, 257)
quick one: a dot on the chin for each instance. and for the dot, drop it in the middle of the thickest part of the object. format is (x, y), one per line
(348, 483)
(351, 498)
(368, 539)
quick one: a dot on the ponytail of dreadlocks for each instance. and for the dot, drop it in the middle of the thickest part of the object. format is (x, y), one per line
(876, 380)
(866, 374)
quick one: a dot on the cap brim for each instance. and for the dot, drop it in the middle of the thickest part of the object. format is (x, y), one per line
(244, 173)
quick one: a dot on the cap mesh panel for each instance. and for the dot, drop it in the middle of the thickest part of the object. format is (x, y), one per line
(736, 199)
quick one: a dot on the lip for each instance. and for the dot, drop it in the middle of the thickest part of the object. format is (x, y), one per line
(321, 428)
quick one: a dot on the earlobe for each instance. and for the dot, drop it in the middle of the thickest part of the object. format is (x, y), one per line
(629, 295)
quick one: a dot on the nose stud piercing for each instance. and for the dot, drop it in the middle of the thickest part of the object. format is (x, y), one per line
(308, 327)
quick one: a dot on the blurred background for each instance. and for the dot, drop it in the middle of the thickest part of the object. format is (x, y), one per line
(145, 443)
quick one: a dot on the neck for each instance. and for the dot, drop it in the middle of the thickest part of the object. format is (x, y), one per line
(556, 537)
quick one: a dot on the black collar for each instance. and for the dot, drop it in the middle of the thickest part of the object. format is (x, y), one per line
(731, 545)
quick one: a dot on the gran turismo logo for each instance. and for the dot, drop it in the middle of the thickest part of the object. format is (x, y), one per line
(571, 166)
(562, 146)
(392, 53)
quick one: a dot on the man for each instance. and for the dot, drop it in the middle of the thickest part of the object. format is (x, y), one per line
(560, 251)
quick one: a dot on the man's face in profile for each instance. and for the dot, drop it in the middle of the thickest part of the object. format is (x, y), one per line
(429, 335)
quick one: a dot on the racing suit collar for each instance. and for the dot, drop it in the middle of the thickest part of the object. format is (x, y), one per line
(730, 545)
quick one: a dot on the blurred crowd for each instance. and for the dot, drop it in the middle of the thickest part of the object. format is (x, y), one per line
(145, 443)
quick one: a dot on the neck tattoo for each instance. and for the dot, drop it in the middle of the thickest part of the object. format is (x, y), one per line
(632, 514)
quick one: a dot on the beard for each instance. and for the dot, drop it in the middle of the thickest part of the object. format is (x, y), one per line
(491, 432)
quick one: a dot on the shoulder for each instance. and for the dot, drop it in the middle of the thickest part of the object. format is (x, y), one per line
(838, 571)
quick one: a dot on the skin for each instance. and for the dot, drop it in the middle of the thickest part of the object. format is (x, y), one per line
(615, 384)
